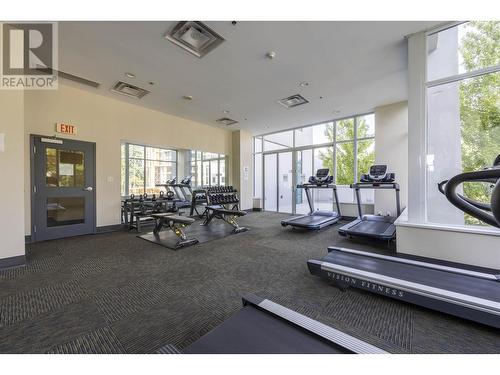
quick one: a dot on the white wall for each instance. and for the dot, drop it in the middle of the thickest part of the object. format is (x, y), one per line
(447, 244)
(107, 122)
(391, 148)
(11, 176)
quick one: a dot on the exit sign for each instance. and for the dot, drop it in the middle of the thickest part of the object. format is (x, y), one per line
(65, 128)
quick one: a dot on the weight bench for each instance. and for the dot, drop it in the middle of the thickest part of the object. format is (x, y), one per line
(176, 224)
(229, 216)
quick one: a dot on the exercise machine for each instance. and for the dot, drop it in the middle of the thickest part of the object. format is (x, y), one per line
(316, 219)
(374, 226)
(223, 204)
(456, 289)
(265, 327)
(176, 224)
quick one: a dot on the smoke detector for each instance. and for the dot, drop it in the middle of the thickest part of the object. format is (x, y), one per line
(293, 101)
(226, 121)
(129, 90)
(194, 37)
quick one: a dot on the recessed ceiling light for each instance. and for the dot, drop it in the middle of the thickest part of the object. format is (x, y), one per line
(271, 55)
(336, 111)
(151, 83)
(130, 75)
(187, 97)
(225, 111)
(303, 84)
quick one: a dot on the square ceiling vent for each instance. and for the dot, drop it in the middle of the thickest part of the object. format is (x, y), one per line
(129, 90)
(195, 37)
(226, 121)
(293, 101)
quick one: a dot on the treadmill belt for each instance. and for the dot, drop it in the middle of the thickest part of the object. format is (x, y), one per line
(253, 331)
(368, 227)
(453, 282)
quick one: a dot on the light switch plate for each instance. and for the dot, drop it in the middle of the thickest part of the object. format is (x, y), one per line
(2, 142)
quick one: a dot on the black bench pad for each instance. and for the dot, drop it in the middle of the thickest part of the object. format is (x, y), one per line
(225, 211)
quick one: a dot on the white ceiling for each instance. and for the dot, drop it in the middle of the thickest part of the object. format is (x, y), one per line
(353, 66)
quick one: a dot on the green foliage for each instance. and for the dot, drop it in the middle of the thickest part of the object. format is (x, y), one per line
(345, 150)
(480, 105)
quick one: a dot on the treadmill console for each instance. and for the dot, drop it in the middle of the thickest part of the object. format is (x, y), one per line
(378, 173)
(322, 177)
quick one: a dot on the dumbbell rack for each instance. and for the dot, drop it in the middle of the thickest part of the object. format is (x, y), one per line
(214, 195)
(137, 210)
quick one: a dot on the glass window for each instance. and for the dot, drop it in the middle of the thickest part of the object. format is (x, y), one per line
(345, 129)
(323, 198)
(257, 144)
(463, 48)
(64, 168)
(144, 167)
(463, 114)
(345, 163)
(366, 156)
(366, 126)
(278, 141)
(222, 172)
(315, 135)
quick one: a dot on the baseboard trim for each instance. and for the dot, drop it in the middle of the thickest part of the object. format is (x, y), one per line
(256, 209)
(11, 262)
(111, 228)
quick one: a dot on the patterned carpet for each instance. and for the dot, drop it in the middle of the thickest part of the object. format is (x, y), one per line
(115, 293)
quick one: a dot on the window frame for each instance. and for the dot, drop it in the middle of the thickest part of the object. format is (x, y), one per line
(295, 148)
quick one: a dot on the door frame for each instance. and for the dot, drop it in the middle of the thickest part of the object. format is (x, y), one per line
(33, 235)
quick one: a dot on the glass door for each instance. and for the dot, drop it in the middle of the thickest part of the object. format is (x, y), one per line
(303, 170)
(285, 182)
(63, 195)
(270, 182)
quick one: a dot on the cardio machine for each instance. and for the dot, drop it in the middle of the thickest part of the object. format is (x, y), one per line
(374, 226)
(469, 292)
(316, 219)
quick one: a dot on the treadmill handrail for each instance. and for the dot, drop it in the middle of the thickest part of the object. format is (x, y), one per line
(328, 333)
(315, 186)
(375, 185)
(460, 271)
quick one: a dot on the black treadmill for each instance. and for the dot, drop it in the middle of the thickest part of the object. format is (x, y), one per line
(265, 327)
(374, 226)
(316, 219)
(460, 290)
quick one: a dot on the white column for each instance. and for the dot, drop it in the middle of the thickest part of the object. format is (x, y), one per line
(417, 52)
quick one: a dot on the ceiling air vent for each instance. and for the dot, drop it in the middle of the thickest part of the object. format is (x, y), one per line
(129, 90)
(293, 101)
(226, 121)
(195, 37)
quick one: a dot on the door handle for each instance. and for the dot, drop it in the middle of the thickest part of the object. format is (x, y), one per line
(88, 188)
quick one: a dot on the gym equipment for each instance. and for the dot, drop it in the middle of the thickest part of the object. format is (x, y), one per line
(137, 211)
(374, 226)
(178, 192)
(316, 220)
(479, 210)
(468, 292)
(265, 327)
(219, 199)
(176, 224)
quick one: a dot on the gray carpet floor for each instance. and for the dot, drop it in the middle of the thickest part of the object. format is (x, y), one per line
(116, 293)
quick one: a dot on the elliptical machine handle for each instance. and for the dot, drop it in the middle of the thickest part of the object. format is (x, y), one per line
(470, 206)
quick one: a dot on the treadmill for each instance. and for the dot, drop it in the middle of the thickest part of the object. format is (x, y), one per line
(468, 292)
(316, 219)
(374, 226)
(265, 327)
